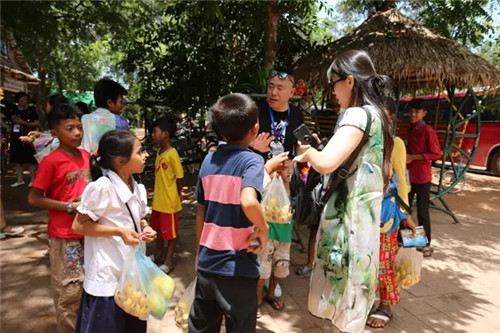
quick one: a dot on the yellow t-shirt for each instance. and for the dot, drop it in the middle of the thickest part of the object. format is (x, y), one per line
(399, 167)
(168, 169)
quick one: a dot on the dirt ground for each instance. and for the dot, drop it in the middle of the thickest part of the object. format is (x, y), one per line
(26, 305)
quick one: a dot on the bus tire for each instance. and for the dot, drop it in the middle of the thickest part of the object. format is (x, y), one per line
(495, 163)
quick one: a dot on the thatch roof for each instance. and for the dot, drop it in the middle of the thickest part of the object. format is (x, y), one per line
(413, 55)
(13, 64)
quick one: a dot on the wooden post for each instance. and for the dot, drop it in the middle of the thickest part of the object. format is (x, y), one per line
(437, 105)
(396, 121)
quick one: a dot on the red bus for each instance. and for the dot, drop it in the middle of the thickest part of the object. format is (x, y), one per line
(487, 156)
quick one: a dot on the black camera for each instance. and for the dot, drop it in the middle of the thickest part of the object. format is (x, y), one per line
(304, 135)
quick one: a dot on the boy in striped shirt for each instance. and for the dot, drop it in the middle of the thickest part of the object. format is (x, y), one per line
(228, 219)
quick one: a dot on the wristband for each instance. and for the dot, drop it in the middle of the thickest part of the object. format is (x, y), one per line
(69, 208)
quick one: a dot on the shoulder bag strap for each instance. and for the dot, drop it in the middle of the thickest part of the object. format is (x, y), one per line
(129, 211)
(132, 217)
(400, 201)
(343, 171)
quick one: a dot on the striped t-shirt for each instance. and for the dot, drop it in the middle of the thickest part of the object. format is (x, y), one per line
(226, 229)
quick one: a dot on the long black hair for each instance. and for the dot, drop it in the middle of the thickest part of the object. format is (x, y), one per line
(112, 145)
(369, 89)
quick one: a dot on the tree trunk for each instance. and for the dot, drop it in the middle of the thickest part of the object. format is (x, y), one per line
(41, 91)
(271, 45)
(58, 77)
(385, 5)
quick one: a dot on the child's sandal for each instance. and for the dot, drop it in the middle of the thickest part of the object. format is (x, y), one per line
(275, 303)
(427, 251)
(166, 269)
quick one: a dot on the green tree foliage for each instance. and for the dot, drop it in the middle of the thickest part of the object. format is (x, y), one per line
(491, 51)
(69, 44)
(198, 51)
(467, 21)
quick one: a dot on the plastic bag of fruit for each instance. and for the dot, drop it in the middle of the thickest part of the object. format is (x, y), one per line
(408, 266)
(184, 306)
(144, 289)
(276, 203)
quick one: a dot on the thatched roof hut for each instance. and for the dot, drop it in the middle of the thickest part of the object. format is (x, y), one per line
(413, 55)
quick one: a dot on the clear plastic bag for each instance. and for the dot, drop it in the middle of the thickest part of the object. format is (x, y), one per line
(144, 289)
(44, 145)
(276, 204)
(408, 263)
(183, 308)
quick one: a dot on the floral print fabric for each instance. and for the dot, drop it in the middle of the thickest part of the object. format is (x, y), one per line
(344, 277)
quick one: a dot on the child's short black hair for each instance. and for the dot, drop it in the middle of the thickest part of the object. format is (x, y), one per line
(62, 112)
(235, 115)
(57, 99)
(82, 106)
(106, 89)
(166, 124)
(417, 104)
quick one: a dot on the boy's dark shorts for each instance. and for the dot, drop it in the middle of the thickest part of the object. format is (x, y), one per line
(217, 296)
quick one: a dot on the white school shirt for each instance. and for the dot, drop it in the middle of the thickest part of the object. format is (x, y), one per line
(104, 201)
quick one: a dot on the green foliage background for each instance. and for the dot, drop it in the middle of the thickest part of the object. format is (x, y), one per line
(185, 54)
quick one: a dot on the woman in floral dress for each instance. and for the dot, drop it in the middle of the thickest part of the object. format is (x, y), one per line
(344, 275)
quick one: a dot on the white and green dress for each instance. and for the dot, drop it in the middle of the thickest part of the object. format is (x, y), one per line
(344, 277)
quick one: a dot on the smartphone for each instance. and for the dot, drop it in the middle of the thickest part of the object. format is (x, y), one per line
(304, 135)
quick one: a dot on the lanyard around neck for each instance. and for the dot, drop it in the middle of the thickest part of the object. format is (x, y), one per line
(277, 134)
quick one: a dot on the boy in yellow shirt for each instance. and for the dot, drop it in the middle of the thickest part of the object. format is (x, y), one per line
(167, 193)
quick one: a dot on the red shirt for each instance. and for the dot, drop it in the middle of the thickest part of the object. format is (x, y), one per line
(62, 177)
(422, 140)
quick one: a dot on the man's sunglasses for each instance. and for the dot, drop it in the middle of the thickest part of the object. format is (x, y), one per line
(281, 75)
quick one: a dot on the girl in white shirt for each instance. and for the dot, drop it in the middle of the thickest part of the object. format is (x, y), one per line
(111, 216)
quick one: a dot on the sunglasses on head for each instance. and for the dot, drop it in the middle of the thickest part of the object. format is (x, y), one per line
(281, 75)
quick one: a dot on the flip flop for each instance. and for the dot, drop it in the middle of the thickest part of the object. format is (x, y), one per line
(166, 269)
(274, 303)
(427, 251)
(303, 271)
(386, 317)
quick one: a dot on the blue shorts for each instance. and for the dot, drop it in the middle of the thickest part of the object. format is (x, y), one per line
(101, 314)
